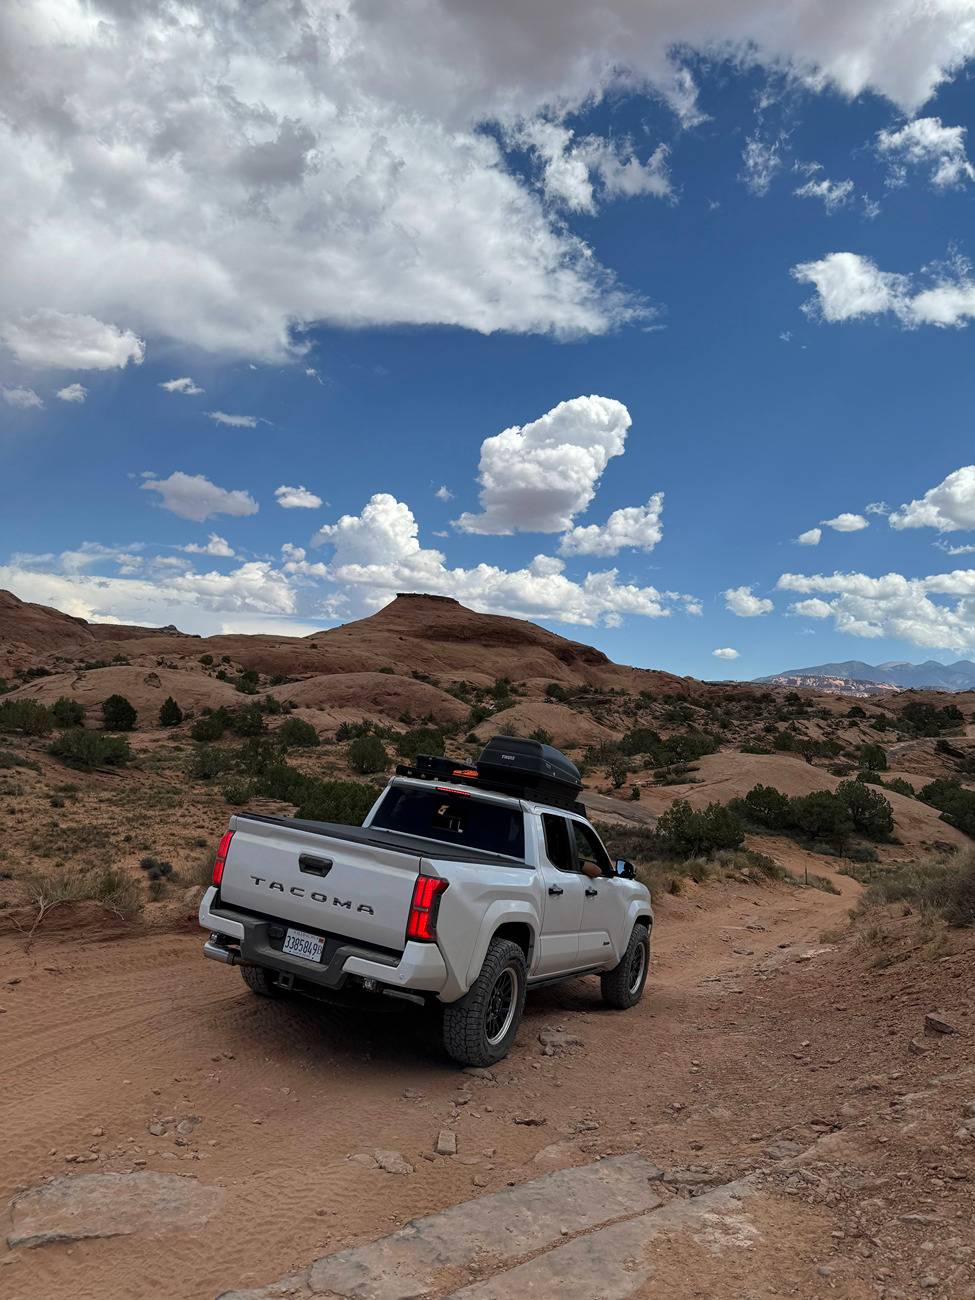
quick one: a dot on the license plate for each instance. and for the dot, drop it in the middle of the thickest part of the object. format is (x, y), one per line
(299, 944)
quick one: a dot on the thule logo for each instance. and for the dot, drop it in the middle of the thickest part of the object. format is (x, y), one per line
(298, 891)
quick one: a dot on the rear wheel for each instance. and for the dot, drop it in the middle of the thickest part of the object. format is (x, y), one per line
(622, 987)
(480, 1028)
(258, 980)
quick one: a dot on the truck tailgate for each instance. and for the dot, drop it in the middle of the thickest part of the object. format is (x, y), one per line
(320, 882)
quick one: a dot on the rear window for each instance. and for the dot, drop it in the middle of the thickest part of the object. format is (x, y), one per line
(458, 819)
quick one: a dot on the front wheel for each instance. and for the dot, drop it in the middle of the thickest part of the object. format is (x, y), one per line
(622, 987)
(480, 1028)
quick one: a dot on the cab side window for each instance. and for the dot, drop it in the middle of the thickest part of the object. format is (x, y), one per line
(589, 849)
(557, 843)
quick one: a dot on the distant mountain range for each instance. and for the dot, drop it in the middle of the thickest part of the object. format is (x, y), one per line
(856, 678)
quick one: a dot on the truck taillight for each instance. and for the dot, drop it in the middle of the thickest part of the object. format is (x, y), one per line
(220, 861)
(422, 923)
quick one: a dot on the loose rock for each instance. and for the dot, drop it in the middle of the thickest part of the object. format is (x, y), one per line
(446, 1143)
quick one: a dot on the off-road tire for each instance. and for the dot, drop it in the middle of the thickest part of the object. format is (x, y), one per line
(622, 987)
(258, 980)
(466, 1022)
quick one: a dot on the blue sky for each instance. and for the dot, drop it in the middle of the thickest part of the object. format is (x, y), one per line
(374, 293)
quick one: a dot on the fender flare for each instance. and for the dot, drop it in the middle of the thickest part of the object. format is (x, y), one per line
(639, 910)
(502, 912)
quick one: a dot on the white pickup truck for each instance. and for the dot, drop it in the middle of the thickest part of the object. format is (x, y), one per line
(465, 887)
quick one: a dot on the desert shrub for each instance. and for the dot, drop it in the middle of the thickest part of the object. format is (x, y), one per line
(926, 720)
(206, 660)
(346, 802)
(683, 747)
(118, 714)
(618, 772)
(248, 721)
(871, 813)
(67, 712)
(88, 749)
(206, 730)
(207, 762)
(542, 736)
(856, 711)
(943, 885)
(420, 740)
(237, 791)
(765, 806)
(247, 681)
(900, 786)
(350, 730)
(634, 792)
(296, 733)
(272, 705)
(873, 758)
(953, 801)
(8, 759)
(170, 714)
(555, 691)
(26, 716)
(821, 816)
(107, 886)
(368, 754)
(687, 832)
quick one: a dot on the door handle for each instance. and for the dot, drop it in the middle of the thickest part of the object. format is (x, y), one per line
(555, 889)
(314, 866)
(592, 893)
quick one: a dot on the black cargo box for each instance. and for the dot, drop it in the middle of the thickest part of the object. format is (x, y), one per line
(540, 771)
(525, 768)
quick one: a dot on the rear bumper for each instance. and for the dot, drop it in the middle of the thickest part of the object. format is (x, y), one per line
(245, 938)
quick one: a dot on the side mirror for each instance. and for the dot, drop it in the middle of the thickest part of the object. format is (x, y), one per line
(625, 869)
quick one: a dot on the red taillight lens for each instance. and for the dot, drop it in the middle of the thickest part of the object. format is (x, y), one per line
(220, 861)
(422, 923)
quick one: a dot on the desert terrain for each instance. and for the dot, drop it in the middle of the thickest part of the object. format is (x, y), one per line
(796, 1090)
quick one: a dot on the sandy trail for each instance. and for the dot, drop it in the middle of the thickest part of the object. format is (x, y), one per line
(102, 1035)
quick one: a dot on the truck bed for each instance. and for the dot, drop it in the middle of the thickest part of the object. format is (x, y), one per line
(415, 845)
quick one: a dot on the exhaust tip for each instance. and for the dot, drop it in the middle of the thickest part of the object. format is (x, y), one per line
(217, 950)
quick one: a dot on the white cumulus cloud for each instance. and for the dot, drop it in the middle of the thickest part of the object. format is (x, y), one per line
(636, 527)
(846, 523)
(948, 507)
(192, 496)
(378, 552)
(443, 493)
(926, 142)
(575, 170)
(186, 386)
(937, 612)
(536, 477)
(214, 545)
(851, 287)
(297, 498)
(23, 399)
(725, 652)
(740, 601)
(49, 339)
(811, 537)
(221, 176)
(73, 393)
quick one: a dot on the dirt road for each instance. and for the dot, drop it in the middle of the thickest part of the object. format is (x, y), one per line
(736, 1049)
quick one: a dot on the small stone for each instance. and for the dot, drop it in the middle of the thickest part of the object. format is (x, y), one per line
(186, 1126)
(98, 1132)
(969, 1109)
(463, 1098)
(479, 1181)
(365, 1159)
(528, 1121)
(446, 1143)
(558, 1039)
(935, 1022)
(392, 1162)
(782, 1150)
(412, 1094)
(157, 1129)
(917, 1047)
(824, 1270)
(477, 1072)
(928, 1282)
(696, 1145)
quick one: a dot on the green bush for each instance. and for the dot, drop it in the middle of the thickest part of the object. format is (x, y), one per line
(346, 802)
(118, 714)
(871, 813)
(237, 791)
(206, 730)
(88, 749)
(953, 801)
(368, 754)
(765, 806)
(296, 733)
(873, 758)
(686, 832)
(248, 721)
(207, 763)
(420, 740)
(926, 720)
(67, 712)
(247, 681)
(943, 885)
(170, 714)
(26, 716)
(821, 816)
(900, 786)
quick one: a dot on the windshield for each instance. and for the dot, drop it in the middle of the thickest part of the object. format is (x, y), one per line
(459, 819)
